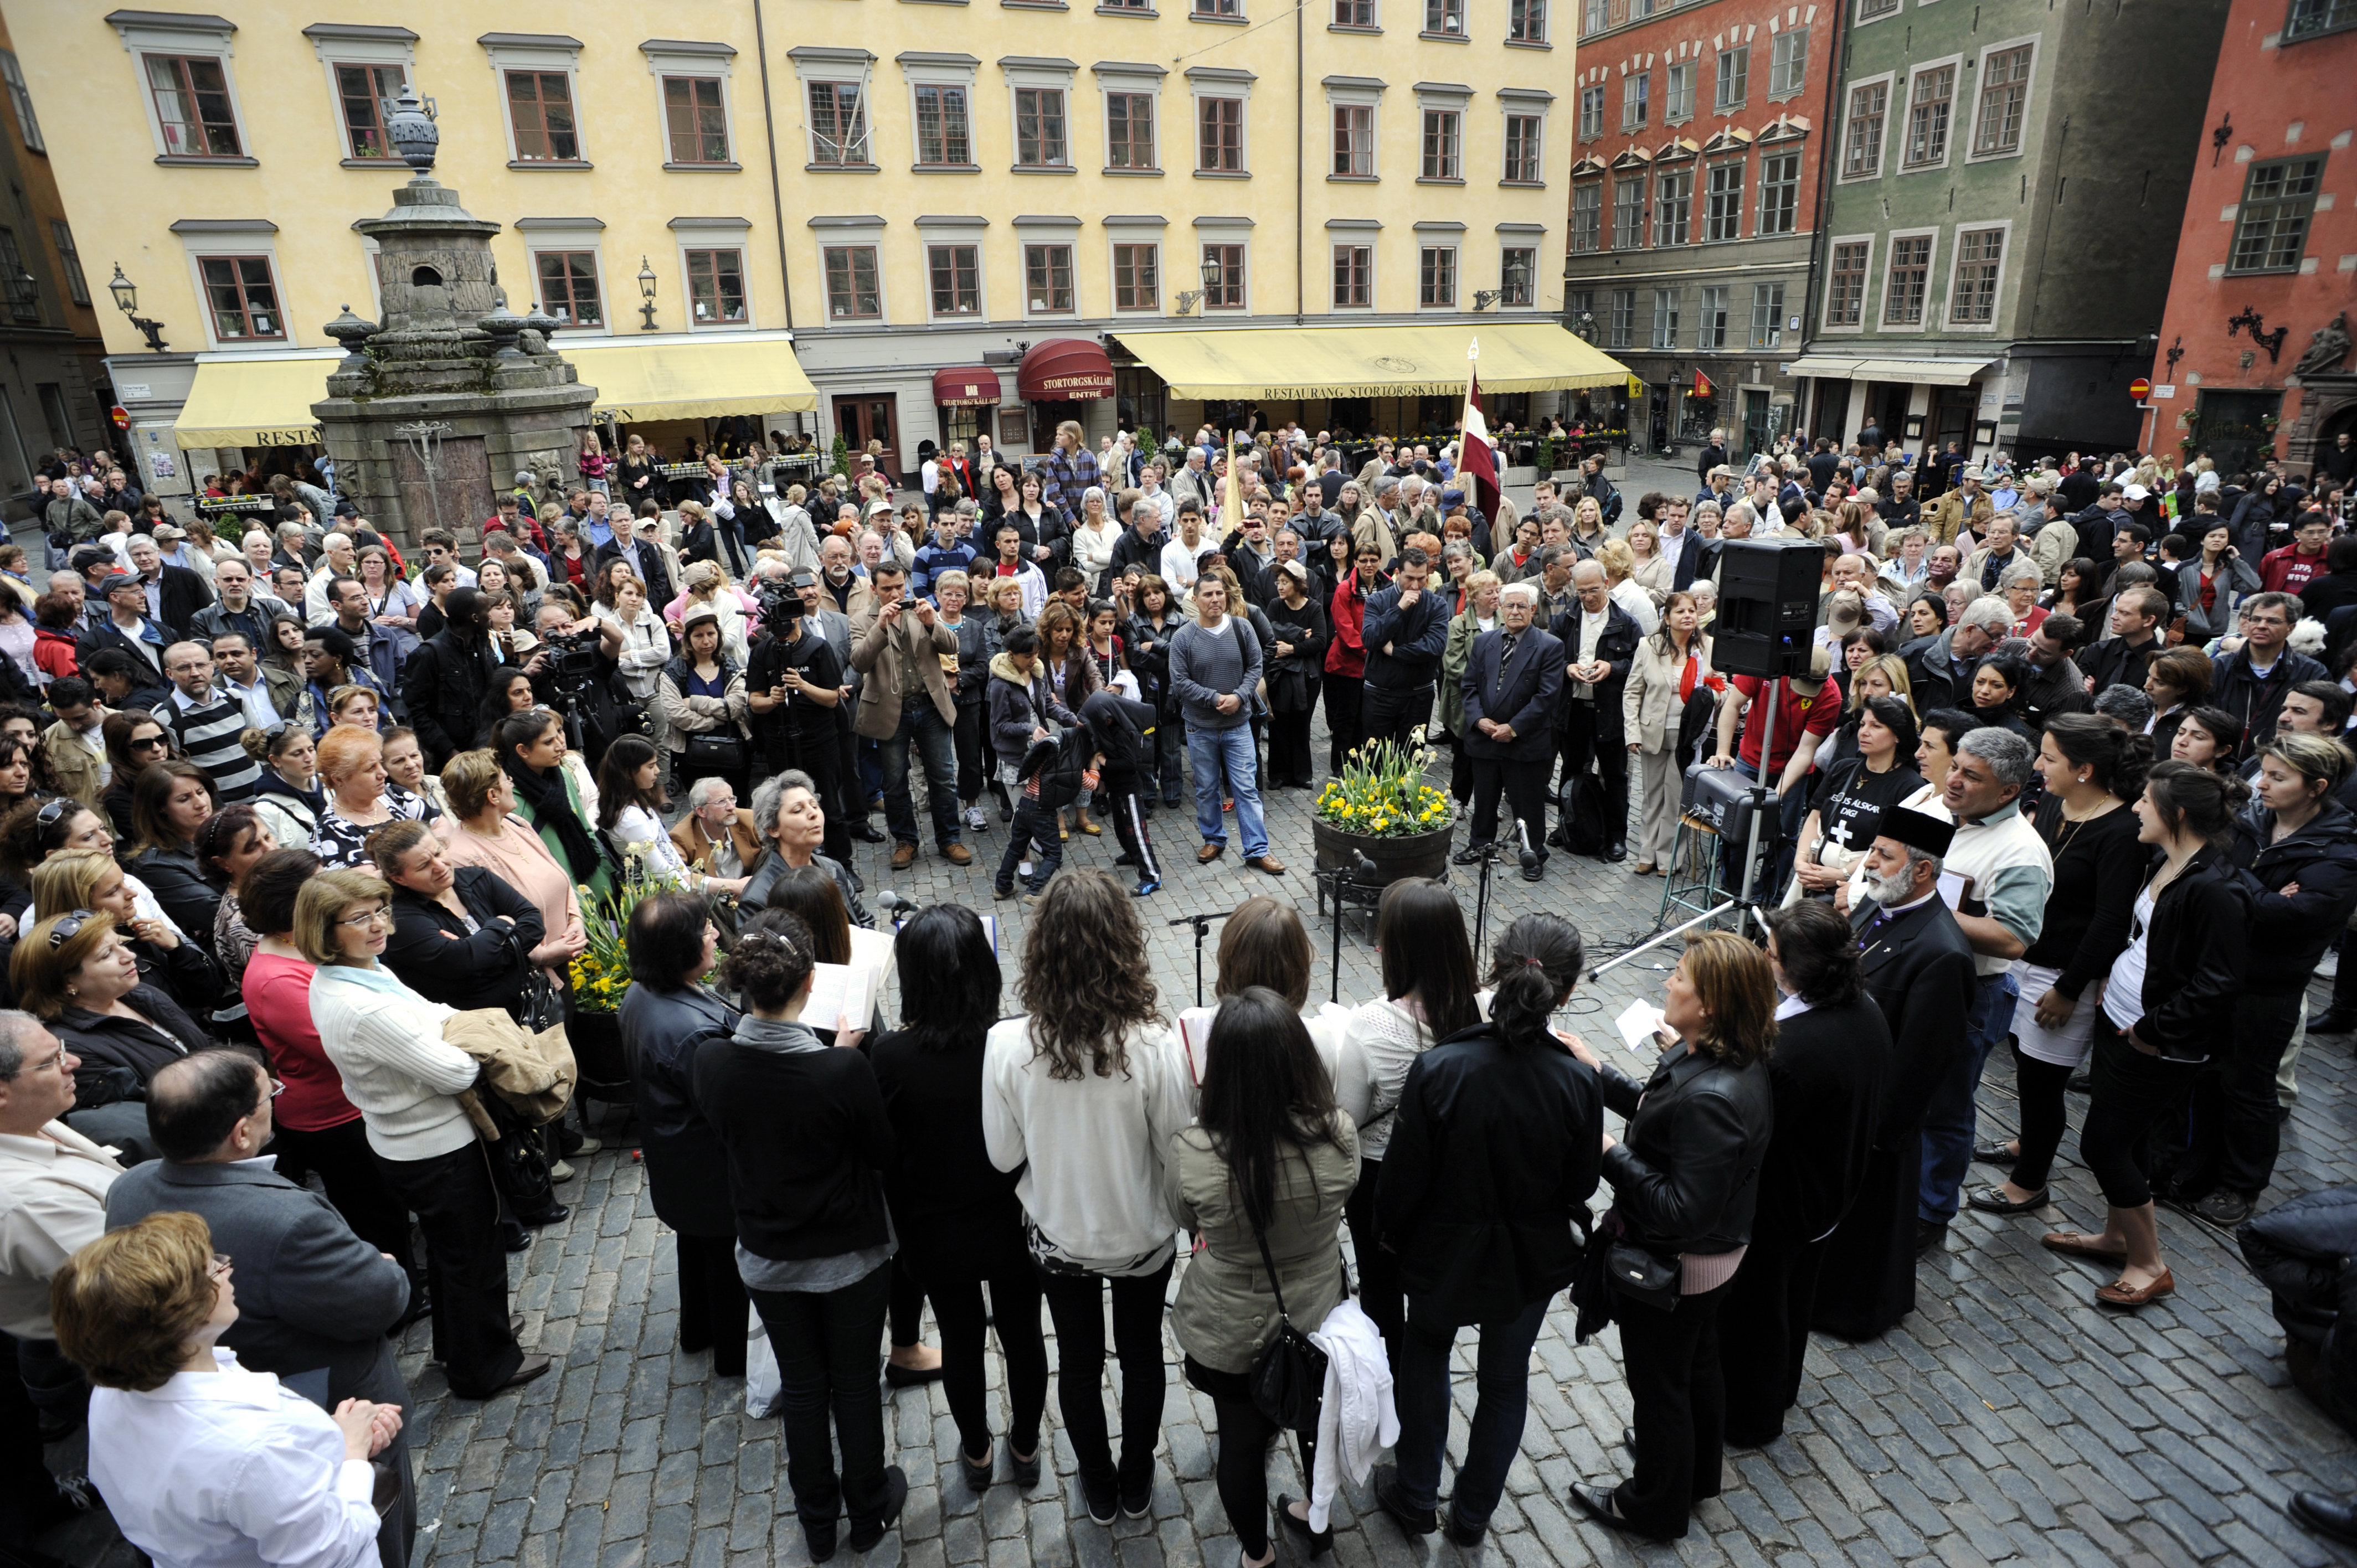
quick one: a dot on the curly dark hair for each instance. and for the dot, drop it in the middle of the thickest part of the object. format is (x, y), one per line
(772, 959)
(1084, 980)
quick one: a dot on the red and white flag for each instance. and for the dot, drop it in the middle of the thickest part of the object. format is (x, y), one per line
(1477, 461)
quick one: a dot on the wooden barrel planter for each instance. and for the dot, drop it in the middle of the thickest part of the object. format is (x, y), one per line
(1415, 854)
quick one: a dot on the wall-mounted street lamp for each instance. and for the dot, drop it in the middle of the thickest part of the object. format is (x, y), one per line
(647, 292)
(127, 299)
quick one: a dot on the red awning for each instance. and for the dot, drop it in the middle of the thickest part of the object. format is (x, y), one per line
(1064, 369)
(966, 386)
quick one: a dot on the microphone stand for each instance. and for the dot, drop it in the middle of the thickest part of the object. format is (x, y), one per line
(1365, 872)
(1489, 852)
(1202, 924)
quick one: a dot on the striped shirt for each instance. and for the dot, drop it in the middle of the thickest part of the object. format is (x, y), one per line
(209, 732)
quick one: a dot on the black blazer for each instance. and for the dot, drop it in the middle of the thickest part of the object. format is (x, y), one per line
(1826, 1077)
(1919, 970)
(1493, 1158)
(120, 1054)
(687, 1173)
(2194, 958)
(1618, 648)
(1686, 1176)
(1526, 699)
(647, 561)
(434, 955)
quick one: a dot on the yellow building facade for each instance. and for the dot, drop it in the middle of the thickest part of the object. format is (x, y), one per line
(1062, 206)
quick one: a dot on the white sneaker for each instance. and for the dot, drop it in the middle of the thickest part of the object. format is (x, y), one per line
(973, 819)
(1023, 869)
(2330, 966)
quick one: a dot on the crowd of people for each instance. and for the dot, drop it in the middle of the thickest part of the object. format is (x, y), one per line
(288, 826)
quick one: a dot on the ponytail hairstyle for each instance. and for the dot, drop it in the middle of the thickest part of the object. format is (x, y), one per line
(2190, 798)
(1532, 970)
(2117, 760)
(771, 962)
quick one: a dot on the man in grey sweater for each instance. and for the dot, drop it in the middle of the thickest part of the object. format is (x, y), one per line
(1215, 666)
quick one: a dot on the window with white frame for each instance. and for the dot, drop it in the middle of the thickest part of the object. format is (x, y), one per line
(1788, 63)
(1354, 277)
(1979, 255)
(1665, 317)
(361, 92)
(1734, 84)
(1862, 131)
(1768, 315)
(2005, 97)
(955, 274)
(1710, 329)
(1846, 284)
(1621, 333)
(1678, 93)
(241, 297)
(1436, 276)
(1522, 149)
(1443, 141)
(1909, 280)
(20, 99)
(568, 286)
(1930, 98)
(1138, 277)
(853, 292)
(715, 286)
(1723, 210)
(1040, 129)
(696, 120)
(193, 106)
(1628, 213)
(1591, 113)
(838, 124)
(1779, 192)
(1518, 269)
(1868, 10)
(944, 126)
(1673, 206)
(1587, 216)
(1048, 279)
(1597, 18)
(1636, 100)
(1129, 131)
(1354, 141)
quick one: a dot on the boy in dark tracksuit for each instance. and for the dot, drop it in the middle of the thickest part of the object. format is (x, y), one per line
(1021, 705)
(1119, 727)
(1034, 822)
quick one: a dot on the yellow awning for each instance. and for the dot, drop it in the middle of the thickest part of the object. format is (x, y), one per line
(255, 402)
(642, 381)
(1371, 361)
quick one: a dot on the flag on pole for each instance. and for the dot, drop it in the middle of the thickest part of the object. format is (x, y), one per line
(1477, 461)
(1702, 387)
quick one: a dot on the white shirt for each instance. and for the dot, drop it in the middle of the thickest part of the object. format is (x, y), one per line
(254, 700)
(1591, 627)
(636, 824)
(52, 1203)
(231, 1469)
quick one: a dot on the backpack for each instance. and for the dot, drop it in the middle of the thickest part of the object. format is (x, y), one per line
(1059, 763)
(1580, 826)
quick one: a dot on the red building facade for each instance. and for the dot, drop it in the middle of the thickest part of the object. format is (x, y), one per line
(1694, 202)
(2254, 351)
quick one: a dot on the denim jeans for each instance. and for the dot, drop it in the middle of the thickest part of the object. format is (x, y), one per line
(1206, 750)
(829, 1345)
(1948, 1124)
(936, 748)
(1501, 1374)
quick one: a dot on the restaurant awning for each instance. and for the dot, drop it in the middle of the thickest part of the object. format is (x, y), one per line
(701, 379)
(1825, 367)
(1062, 370)
(255, 402)
(966, 386)
(1927, 372)
(1372, 361)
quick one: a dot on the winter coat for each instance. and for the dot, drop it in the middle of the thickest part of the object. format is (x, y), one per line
(2288, 935)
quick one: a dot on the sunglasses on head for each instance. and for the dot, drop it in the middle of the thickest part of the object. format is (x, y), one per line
(69, 927)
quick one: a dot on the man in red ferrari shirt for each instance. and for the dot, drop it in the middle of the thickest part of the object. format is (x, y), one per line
(2288, 570)
(1808, 709)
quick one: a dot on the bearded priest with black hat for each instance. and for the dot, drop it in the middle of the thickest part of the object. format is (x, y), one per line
(1919, 969)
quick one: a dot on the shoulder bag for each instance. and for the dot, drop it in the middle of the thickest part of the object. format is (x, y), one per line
(1288, 1378)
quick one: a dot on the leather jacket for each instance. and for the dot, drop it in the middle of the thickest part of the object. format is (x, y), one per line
(1685, 1175)
(2195, 957)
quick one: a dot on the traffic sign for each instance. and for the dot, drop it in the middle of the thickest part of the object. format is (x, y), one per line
(120, 415)
(2139, 389)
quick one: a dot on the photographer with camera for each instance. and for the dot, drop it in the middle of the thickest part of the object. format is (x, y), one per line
(906, 696)
(443, 682)
(794, 683)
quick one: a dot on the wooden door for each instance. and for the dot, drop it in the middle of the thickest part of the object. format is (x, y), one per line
(872, 417)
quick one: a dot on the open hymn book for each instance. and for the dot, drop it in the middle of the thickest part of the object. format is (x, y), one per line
(844, 995)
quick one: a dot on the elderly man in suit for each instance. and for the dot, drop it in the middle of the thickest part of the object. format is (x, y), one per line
(315, 1301)
(1512, 681)
(1599, 644)
(1919, 970)
(906, 698)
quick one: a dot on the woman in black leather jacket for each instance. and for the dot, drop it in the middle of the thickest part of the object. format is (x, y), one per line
(478, 959)
(666, 1014)
(1685, 1180)
(1493, 1156)
(2169, 1005)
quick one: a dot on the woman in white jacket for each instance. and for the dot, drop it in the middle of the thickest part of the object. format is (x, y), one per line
(646, 642)
(1671, 666)
(1083, 1096)
(1092, 540)
(386, 1040)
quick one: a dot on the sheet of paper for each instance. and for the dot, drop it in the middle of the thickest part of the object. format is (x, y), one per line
(843, 996)
(1195, 1035)
(1637, 1024)
(1952, 888)
(872, 950)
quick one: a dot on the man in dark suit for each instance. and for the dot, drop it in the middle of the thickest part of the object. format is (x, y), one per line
(1599, 644)
(315, 1301)
(1919, 970)
(634, 541)
(820, 615)
(1512, 681)
(174, 594)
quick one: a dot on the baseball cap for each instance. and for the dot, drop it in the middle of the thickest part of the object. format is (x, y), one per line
(118, 580)
(1974, 474)
(2136, 493)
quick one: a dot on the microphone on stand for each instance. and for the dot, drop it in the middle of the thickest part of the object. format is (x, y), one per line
(888, 901)
(1530, 856)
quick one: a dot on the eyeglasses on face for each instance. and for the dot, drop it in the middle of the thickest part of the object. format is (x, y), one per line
(380, 914)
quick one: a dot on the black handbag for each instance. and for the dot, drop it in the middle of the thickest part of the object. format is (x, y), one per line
(1637, 1272)
(1288, 1378)
(717, 751)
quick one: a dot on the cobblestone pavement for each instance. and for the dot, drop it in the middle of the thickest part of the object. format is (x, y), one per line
(2008, 1418)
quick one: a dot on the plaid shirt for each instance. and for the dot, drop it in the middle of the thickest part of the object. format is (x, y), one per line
(1067, 477)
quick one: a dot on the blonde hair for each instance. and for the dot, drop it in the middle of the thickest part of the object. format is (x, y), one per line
(322, 903)
(69, 880)
(467, 778)
(1736, 987)
(1617, 559)
(41, 968)
(1895, 670)
(952, 578)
